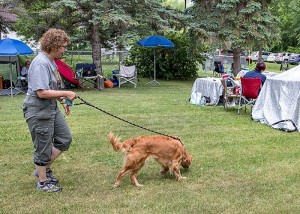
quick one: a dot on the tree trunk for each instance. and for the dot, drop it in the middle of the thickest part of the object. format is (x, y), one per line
(121, 47)
(260, 53)
(96, 46)
(236, 60)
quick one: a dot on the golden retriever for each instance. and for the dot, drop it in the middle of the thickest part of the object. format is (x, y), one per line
(168, 152)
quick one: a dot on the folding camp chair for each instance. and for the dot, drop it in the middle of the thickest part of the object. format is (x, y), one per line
(21, 80)
(231, 93)
(250, 88)
(86, 72)
(127, 74)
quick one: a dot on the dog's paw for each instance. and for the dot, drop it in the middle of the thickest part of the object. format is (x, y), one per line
(137, 185)
(181, 178)
(116, 185)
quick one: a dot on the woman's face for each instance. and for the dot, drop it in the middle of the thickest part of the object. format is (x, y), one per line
(61, 50)
(27, 64)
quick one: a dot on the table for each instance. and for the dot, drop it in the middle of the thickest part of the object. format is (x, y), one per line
(266, 73)
(269, 74)
(209, 87)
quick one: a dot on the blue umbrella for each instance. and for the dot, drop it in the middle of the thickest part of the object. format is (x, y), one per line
(12, 47)
(155, 41)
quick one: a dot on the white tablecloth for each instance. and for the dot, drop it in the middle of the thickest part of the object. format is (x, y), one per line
(278, 104)
(270, 74)
(209, 87)
(266, 73)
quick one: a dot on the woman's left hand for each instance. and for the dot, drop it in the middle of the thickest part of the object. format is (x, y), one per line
(67, 109)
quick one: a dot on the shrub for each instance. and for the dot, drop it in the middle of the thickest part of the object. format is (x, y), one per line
(180, 62)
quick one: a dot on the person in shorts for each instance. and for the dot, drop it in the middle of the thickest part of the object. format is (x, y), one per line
(49, 130)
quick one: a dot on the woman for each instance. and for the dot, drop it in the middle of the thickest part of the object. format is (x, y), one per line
(49, 130)
(24, 71)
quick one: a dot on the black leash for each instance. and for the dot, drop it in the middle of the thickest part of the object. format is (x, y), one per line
(126, 121)
(284, 129)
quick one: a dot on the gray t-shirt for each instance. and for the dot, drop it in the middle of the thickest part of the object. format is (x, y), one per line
(42, 74)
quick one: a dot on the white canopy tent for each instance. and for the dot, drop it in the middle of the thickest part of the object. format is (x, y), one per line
(278, 104)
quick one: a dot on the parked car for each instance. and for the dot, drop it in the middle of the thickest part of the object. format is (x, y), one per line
(271, 57)
(294, 59)
(255, 54)
(282, 57)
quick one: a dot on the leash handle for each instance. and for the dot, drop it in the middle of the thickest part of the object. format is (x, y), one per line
(69, 102)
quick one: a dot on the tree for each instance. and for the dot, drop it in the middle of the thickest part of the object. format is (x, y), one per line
(7, 15)
(288, 14)
(97, 22)
(37, 16)
(235, 24)
(177, 4)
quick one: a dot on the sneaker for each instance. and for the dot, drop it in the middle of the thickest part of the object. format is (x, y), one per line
(48, 187)
(49, 176)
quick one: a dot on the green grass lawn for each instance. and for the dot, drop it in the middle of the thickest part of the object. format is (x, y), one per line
(239, 166)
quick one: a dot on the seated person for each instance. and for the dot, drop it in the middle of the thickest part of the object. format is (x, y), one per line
(219, 68)
(257, 72)
(24, 71)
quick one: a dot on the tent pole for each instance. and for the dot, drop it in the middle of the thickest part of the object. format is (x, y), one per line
(154, 74)
(10, 75)
(154, 77)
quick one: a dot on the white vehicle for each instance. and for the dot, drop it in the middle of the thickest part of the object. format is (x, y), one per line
(282, 57)
(271, 57)
(264, 55)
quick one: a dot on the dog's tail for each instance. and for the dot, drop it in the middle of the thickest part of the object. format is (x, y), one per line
(117, 146)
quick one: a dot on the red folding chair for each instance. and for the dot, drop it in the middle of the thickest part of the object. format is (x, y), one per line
(250, 88)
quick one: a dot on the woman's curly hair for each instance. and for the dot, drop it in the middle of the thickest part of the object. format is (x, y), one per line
(53, 39)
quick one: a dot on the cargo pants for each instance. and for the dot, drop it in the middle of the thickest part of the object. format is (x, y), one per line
(47, 126)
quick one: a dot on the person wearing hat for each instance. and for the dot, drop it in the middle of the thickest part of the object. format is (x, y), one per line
(257, 72)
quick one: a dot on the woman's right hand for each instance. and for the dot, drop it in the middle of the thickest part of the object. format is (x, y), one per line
(71, 95)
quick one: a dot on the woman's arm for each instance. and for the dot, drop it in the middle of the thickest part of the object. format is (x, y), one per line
(53, 94)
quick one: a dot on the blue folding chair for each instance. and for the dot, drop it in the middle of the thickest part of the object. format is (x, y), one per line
(86, 72)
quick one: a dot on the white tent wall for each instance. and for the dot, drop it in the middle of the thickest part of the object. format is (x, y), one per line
(278, 104)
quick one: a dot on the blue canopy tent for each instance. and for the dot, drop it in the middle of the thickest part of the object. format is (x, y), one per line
(9, 50)
(155, 41)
